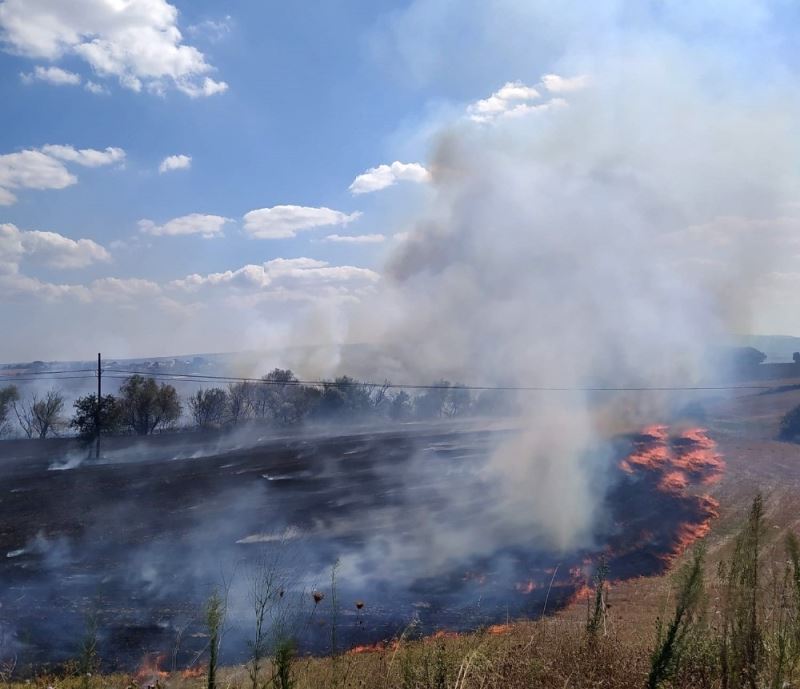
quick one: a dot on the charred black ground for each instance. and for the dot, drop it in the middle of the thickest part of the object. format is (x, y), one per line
(141, 538)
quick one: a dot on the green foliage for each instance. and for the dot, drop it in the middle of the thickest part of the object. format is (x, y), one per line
(742, 638)
(597, 615)
(87, 415)
(209, 407)
(282, 663)
(147, 406)
(672, 641)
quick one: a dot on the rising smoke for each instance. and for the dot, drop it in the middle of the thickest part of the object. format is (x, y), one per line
(607, 235)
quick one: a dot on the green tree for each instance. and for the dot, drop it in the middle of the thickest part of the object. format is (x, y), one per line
(209, 407)
(86, 417)
(147, 406)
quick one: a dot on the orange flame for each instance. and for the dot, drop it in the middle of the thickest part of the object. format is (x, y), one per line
(150, 668)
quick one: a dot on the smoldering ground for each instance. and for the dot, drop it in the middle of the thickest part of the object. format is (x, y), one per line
(139, 545)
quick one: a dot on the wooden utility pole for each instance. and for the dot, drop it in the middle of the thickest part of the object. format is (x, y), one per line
(97, 407)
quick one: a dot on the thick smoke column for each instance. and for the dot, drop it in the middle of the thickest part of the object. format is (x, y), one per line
(591, 238)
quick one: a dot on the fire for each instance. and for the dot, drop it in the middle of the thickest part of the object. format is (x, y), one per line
(499, 629)
(526, 587)
(191, 672)
(377, 647)
(687, 457)
(443, 634)
(150, 669)
(673, 481)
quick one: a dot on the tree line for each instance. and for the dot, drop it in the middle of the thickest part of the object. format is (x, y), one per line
(142, 406)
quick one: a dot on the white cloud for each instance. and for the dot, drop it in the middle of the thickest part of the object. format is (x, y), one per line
(88, 157)
(279, 273)
(556, 84)
(195, 223)
(31, 170)
(515, 99)
(44, 169)
(383, 176)
(112, 290)
(95, 88)
(355, 238)
(136, 41)
(176, 162)
(281, 222)
(51, 75)
(212, 29)
(49, 248)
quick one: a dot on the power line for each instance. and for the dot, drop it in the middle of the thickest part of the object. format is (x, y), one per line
(187, 377)
(45, 373)
(122, 374)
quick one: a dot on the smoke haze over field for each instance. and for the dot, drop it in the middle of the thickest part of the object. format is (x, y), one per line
(606, 191)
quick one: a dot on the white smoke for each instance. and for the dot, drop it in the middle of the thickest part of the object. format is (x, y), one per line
(605, 241)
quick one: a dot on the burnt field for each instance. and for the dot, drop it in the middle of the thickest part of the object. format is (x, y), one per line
(417, 525)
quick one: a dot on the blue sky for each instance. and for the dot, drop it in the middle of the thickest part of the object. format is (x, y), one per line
(264, 105)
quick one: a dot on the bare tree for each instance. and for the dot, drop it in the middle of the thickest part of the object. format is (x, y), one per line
(39, 418)
(8, 395)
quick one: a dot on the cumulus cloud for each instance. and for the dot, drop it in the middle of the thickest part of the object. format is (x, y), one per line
(88, 157)
(515, 99)
(31, 170)
(280, 272)
(383, 176)
(137, 41)
(355, 238)
(51, 75)
(281, 222)
(207, 226)
(49, 248)
(45, 169)
(176, 162)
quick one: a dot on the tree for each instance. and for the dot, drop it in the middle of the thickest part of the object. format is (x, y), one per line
(39, 418)
(431, 403)
(796, 357)
(209, 407)
(147, 406)
(458, 401)
(400, 407)
(790, 425)
(345, 398)
(240, 401)
(8, 395)
(110, 416)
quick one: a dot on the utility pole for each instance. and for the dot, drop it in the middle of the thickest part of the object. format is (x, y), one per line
(97, 407)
